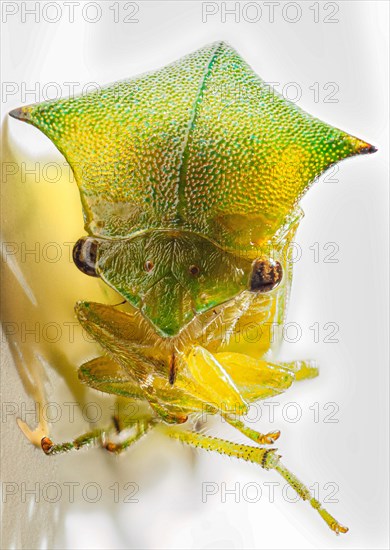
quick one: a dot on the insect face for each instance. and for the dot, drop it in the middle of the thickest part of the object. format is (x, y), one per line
(190, 190)
(172, 276)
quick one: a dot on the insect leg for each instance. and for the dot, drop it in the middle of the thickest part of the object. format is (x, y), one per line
(98, 436)
(301, 370)
(262, 439)
(305, 494)
(266, 458)
(92, 437)
(142, 428)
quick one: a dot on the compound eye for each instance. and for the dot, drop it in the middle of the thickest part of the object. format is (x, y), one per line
(85, 255)
(266, 275)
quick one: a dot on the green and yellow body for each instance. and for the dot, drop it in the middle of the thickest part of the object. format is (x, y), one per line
(190, 179)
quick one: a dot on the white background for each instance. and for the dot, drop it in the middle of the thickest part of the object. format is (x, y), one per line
(351, 211)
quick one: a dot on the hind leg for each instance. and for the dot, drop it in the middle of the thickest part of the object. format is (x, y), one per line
(266, 458)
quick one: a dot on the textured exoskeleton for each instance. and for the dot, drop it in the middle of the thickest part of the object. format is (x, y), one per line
(190, 178)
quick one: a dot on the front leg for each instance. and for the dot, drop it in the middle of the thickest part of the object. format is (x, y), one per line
(100, 437)
(89, 438)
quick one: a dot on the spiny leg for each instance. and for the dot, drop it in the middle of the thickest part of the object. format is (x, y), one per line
(266, 458)
(92, 437)
(302, 370)
(262, 439)
(305, 494)
(141, 430)
(270, 378)
(99, 436)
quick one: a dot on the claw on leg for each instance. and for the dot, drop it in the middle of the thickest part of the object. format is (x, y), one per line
(111, 447)
(262, 439)
(269, 438)
(50, 448)
(305, 494)
(266, 458)
(97, 436)
(47, 445)
(142, 428)
(330, 520)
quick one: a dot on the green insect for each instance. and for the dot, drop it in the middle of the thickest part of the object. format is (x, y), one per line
(190, 178)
